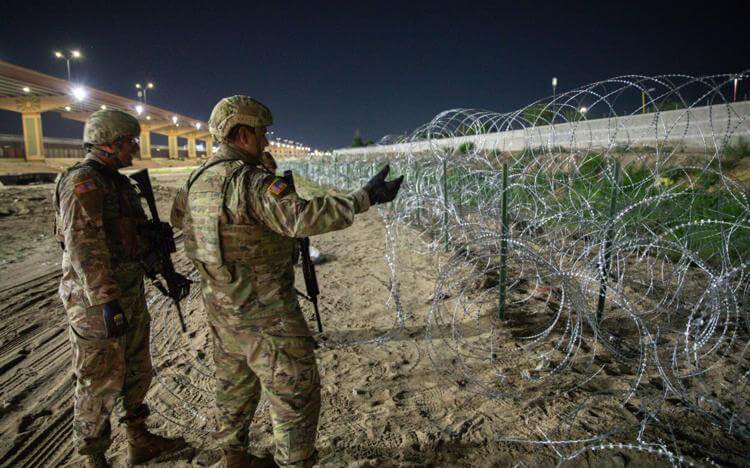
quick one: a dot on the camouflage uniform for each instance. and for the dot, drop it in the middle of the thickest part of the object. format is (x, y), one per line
(239, 222)
(97, 213)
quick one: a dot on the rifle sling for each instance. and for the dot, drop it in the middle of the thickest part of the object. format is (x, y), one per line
(204, 167)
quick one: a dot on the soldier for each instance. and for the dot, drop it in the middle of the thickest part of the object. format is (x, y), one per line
(240, 221)
(97, 218)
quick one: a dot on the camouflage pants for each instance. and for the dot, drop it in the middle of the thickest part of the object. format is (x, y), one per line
(107, 369)
(284, 368)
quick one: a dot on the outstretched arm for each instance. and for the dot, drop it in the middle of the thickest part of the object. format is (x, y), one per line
(276, 204)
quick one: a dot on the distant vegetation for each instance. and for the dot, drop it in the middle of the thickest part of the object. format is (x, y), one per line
(667, 105)
(538, 113)
(358, 142)
(466, 148)
(739, 150)
(589, 188)
(543, 113)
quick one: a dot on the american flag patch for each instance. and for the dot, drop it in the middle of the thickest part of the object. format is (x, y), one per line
(278, 187)
(85, 186)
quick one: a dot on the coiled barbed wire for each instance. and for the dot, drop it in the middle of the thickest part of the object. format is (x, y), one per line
(628, 243)
(622, 189)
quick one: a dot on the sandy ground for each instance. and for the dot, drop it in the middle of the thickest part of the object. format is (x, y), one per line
(391, 397)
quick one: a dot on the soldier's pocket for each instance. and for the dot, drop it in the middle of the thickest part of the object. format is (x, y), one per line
(87, 322)
(295, 371)
(96, 358)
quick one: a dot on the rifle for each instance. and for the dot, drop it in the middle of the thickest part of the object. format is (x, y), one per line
(308, 269)
(162, 246)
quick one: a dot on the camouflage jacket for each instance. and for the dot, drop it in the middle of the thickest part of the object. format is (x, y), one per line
(239, 221)
(97, 218)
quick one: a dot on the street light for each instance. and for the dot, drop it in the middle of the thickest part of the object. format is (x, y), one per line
(143, 89)
(73, 54)
(79, 93)
(139, 109)
(584, 110)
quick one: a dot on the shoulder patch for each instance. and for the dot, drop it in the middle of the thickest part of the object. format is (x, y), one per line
(278, 187)
(85, 187)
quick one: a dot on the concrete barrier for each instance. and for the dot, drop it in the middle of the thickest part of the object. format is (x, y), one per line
(705, 128)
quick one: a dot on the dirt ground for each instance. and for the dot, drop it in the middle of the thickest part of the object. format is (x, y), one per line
(391, 396)
(20, 166)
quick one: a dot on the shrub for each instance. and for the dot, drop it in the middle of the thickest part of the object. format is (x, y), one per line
(466, 148)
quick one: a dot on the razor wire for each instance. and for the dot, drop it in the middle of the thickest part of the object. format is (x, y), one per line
(627, 246)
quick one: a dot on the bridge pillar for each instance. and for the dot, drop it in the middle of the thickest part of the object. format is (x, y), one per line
(191, 154)
(209, 142)
(32, 136)
(31, 108)
(174, 150)
(145, 144)
(146, 129)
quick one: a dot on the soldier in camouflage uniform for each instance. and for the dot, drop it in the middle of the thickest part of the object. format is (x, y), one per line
(240, 221)
(97, 219)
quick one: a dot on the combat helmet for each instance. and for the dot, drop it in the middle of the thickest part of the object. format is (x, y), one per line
(237, 110)
(105, 126)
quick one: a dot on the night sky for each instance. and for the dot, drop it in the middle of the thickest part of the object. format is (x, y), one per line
(382, 68)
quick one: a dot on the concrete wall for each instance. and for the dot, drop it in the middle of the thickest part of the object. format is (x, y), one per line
(697, 129)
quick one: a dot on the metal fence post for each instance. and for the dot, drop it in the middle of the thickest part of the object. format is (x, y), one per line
(503, 243)
(604, 266)
(445, 204)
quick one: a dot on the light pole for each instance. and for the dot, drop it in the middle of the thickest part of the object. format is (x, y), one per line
(142, 90)
(554, 94)
(643, 98)
(73, 54)
(554, 88)
(734, 95)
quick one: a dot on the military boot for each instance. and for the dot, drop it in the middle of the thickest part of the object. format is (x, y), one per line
(96, 460)
(235, 458)
(144, 446)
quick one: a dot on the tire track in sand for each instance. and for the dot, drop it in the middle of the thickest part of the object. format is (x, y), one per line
(35, 374)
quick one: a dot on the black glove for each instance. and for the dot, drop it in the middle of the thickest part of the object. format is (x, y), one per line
(115, 322)
(381, 191)
(178, 286)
